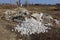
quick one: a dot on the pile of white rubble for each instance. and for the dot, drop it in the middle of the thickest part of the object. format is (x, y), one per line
(38, 25)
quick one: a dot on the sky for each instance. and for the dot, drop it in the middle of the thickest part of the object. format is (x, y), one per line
(32, 1)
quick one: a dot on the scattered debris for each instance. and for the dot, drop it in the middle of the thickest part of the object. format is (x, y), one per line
(56, 21)
(32, 26)
(31, 23)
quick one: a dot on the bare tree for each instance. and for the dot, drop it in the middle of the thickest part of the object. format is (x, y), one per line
(26, 3)
(19, 2)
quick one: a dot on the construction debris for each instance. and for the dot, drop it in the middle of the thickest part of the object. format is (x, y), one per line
(39, 25)
(9, 14)
(31, 23)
